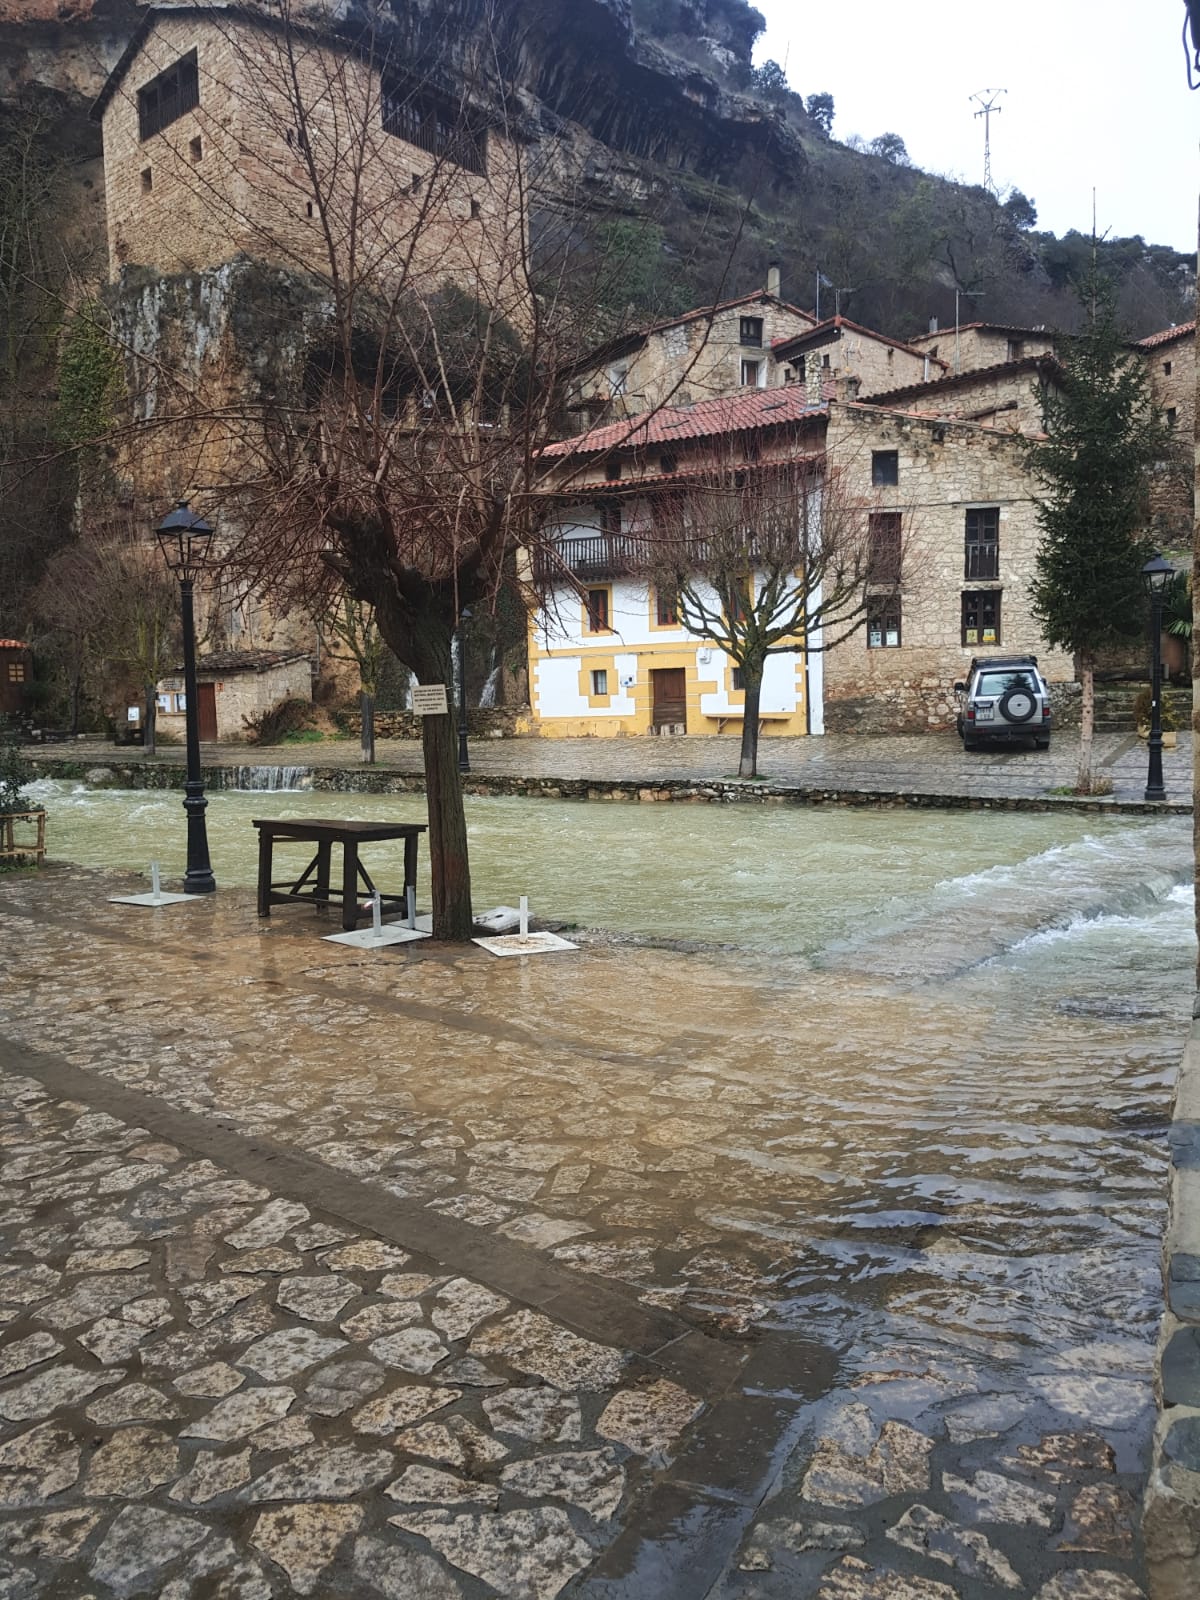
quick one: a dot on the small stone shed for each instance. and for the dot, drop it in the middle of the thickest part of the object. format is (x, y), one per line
(16, 669)
(233, 685)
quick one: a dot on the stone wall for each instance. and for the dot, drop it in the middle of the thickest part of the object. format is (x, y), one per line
(490, 722)
(1170, 366)
(1171, 1516)
(945, 469)
(229, 178)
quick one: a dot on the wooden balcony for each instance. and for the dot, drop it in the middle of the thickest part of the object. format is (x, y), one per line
(600, 556)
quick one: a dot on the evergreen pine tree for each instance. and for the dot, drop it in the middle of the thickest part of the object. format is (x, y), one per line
(1101, 437)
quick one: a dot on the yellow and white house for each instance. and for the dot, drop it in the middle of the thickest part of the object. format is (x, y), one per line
(608, 655)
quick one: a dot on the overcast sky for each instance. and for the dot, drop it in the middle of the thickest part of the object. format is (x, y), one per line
(1097, 95)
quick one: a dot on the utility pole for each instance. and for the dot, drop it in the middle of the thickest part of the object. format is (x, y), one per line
(988, 103)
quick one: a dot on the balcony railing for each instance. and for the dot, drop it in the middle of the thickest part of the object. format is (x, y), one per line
(603, 556)
(983, 559)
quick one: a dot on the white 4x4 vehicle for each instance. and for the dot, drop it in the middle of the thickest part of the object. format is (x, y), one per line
(1003, 698)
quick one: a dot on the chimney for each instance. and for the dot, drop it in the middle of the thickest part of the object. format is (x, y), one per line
(933, 324)
(773, 279)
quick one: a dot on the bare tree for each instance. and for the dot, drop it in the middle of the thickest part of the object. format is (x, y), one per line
(766, 559)
(390, 454)
(351, 634)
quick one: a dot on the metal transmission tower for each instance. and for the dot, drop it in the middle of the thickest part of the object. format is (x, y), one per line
(988, 103)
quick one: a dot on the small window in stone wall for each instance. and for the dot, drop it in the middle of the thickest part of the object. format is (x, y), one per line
(885, 468)
(196, 147)
(981, 617)
(883, 625)
(1166, 369)
(1172, 416)
(166, 98)
(147, 180)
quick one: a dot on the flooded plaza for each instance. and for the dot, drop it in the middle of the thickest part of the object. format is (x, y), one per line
(878, 1096)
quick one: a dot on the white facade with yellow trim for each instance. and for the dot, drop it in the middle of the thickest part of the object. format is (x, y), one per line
(607, 659)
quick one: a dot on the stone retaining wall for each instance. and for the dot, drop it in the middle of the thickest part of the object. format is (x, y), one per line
(1171, 1518)
(492, 722)
(690, 791)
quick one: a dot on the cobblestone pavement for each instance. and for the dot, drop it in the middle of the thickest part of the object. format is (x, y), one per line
(914, 764)
(437, 1277)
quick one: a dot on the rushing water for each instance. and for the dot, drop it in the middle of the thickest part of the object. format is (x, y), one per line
(946, 1041)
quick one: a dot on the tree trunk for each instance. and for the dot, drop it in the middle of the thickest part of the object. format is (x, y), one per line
(449, 866)
(1087, 721)
(151, 728)
(367, 708)
(752, 678)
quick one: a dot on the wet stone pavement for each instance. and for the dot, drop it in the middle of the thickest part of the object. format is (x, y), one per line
(345, 1277)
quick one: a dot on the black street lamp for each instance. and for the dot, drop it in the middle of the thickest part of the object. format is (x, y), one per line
(464, 758)
(185, 541)
(1156, 575)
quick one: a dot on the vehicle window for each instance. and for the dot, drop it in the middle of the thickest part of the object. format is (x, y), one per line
(996, 683)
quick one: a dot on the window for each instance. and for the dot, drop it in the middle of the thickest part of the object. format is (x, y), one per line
(933, 351)
(597, 611)
(737, 680)
(1172, 416)
(16, 672)
(476, 211)
(1166, 369)
(1016, 349)
(885, 468)
(666, 610)
(752, 331)
(164, 99)
(884, 529)
(610, 518)
(415, 183)
(600, 680)
(147, 180)
(612, 468)
(617, 379)
(668, 464)
(981, 617)
(423, 122)
(750, 374)
(739, 596)
(196, 147)
(883, 625)
(794, 371)
(308, 208)
(982, 557)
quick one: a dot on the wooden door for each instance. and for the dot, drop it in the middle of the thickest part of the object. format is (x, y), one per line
(206, 707)
(669, 687)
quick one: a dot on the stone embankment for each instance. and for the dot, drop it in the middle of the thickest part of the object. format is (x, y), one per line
(1171, 1519)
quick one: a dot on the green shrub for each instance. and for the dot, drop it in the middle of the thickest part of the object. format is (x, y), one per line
(14, 775)
(276, 724)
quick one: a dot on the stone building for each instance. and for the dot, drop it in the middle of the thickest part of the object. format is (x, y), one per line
(971, 345)
(234, 686)
(227, 135)
(963, 500)
(837, 349)
(1010, 395)
(698, 355)
(1169, 360)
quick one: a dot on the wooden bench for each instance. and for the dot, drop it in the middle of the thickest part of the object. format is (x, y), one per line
(313, 884)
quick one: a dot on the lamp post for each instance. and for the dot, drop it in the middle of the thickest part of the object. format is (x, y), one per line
(1156, 575)
(185, 541)
(464, 758)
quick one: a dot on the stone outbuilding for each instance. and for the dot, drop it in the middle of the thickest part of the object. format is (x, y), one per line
(840, 351)
(232, 687)
(16, 671)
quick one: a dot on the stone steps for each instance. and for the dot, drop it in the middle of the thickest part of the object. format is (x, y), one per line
(1115, 703)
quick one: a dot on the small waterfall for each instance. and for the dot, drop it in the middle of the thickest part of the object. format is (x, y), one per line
(487, 695)
(271, 778)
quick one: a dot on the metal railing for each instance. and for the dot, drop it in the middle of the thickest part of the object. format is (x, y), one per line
(982, 559)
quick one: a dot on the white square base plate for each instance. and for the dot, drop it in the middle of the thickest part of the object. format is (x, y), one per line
(525, 944)
(368, 939)
(501, 919)
(151, 899)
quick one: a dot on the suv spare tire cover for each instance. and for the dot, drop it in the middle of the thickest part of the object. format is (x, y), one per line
(1018, 703)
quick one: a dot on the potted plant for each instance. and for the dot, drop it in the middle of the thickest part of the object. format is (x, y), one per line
(1142, 707)
(16, 808)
